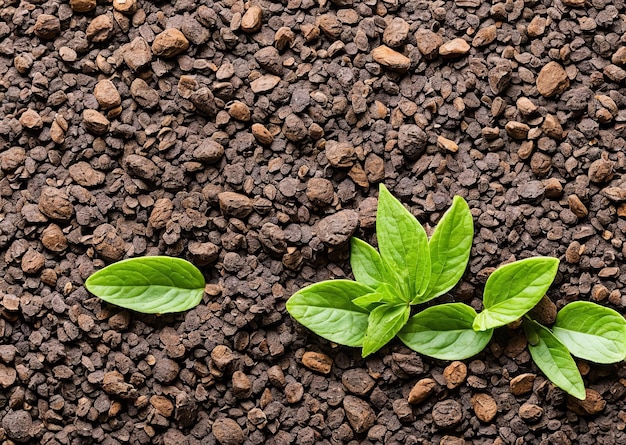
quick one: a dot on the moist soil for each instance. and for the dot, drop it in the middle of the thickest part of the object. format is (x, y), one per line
(250, 138)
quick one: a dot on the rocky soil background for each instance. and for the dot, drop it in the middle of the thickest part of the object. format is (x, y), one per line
(250, 138)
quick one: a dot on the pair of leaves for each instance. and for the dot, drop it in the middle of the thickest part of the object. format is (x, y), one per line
(409, 269)
(583, 329)
(152, 285)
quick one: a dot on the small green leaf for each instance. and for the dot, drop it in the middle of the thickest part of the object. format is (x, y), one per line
(554, 360)
(450, 247)
(327, 308)
(152, 285)
(385, 293)
(591, 332)
(445, 332)
(383, 324)
(514, 289)
(367, 266)
(403, 243)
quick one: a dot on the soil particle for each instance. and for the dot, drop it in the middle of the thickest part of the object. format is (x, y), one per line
(85, 175)
(447, 414)
(390, 58)
(454, 48)
(552, 80)
(235, 204)
(593, 403)
(411, 140)
(337, 228)
(95, 122)
(169, 43)
(317, 361)
(32, 261)
(31, 120)
(144, 95)
(252, 20)
(83, 5)
(227, 432)
(47, 26)
(421, 390)
(428, 43)
(8, 375)
(107, 242)
(137, 54)
(455, 374)
(340, 154)
(484, 406)
(101, 29)
(18, 425)
(357, 381)
(529, 412)
(294, 391)
(165, 370)
(55, 204)
(359, 413)
(242, 386)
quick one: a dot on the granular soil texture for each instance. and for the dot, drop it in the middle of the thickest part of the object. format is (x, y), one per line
(250, 139)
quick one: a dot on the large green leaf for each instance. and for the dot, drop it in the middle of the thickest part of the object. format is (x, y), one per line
(514, 289)
(327, 308)
(403, 243)
(592, 332)
(383, 324)
(450, 247)
(153, 285)
(554, 360)
(367, 266)
(445, 332)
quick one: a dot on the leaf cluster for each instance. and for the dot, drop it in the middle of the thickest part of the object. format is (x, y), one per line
(393, 283)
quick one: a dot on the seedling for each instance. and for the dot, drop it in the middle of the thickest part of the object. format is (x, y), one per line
(152, 285)
(409, 269)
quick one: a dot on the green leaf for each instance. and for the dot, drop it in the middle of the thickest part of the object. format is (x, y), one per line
(450, 247)
(591, 332)
(514, 289)
(367, 266)
(152, 285)
(327, 308)
(554, 360)
(403, 243)
(445, 332)
(383, 324)
(385, 293)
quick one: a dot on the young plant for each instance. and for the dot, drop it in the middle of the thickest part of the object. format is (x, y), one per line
(152, 285)
(409, 269)
(583, 329)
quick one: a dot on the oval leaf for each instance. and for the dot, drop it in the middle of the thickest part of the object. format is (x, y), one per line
(383, 324)
(591, 332)
(554, 360)
(327, 308)
(403, 243)
(514, 289)
(445, 332)
(366, 264)
(450, 247)
(152, 285)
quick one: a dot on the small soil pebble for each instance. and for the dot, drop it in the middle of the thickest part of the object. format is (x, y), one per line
(227, 432)
(447, 413)
(357, 381)
(529, 412)
(317, 361)
(455, 374)
(552, 80)
(421, 390)
(337, 229)
(252, 19)
(391, 59)
(359, 413)
(169, 43)
(17, 425)
(47, 26)
(484, 406)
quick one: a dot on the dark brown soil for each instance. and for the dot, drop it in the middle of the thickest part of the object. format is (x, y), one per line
(250, 139)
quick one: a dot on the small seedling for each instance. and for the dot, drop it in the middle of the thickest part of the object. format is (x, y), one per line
(152, 285)
(408, 270)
